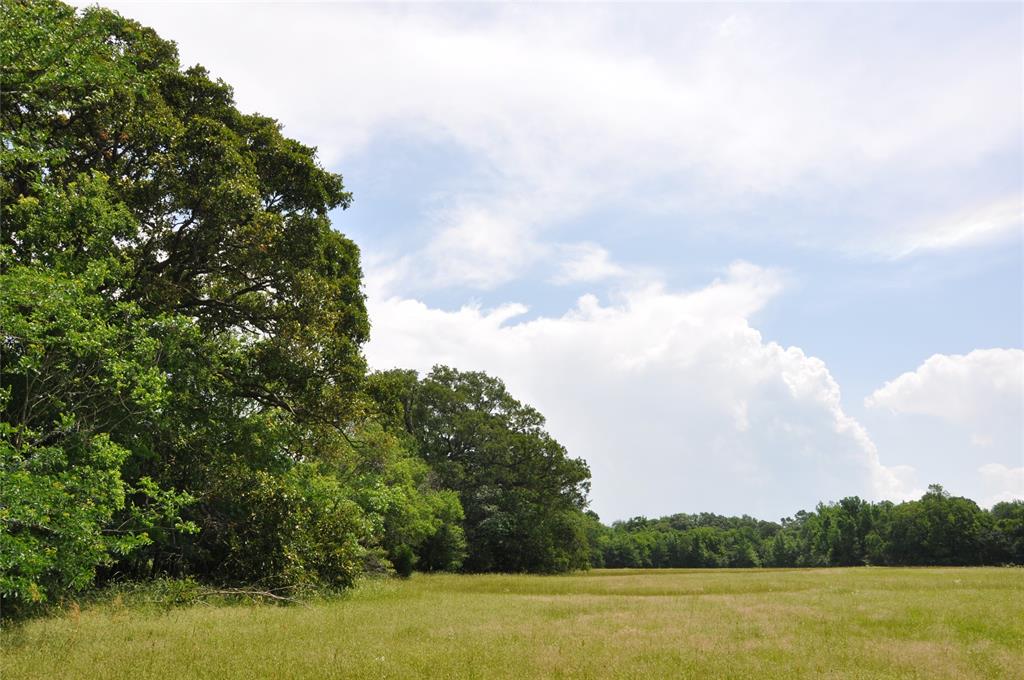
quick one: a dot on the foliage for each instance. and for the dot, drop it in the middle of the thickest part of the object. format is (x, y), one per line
(412, 507)
(522, 495)
(936, 530)
(1005, 538)
(73, 367)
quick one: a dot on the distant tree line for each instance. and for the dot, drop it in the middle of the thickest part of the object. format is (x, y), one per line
(938, 529)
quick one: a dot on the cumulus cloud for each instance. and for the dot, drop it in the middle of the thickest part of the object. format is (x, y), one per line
(677, 403)
(965, 411)
(983, 389)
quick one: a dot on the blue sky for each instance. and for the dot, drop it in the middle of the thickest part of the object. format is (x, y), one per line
(744, 257)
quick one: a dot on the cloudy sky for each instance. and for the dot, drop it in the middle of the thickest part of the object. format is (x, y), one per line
(743, 257)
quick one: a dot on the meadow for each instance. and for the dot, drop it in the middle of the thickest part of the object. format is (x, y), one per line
(839, 623)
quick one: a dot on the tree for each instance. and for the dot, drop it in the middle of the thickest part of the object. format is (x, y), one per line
(1005, 537)
(937, 529)
(211, 320)
(521, 493)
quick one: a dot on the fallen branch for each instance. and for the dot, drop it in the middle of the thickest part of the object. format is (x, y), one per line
(268, 594)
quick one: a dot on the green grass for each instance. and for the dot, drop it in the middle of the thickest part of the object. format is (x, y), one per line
(835, 623)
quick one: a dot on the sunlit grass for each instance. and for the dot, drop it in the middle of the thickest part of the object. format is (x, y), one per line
(841, 623)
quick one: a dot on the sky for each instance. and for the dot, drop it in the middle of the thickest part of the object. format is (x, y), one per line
(744, 258)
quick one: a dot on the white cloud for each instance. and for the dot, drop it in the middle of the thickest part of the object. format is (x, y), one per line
(564, 110)
(674, 400)
(983, 389)
(587, 263)
(480, 248)
(964, 413)
(981, 225)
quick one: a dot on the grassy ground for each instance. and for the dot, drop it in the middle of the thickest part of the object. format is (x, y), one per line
(836, 623)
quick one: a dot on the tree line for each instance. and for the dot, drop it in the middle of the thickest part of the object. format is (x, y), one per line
(182, 386)
(937, 529)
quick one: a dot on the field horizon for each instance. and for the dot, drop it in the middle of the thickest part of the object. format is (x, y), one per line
(867, 622)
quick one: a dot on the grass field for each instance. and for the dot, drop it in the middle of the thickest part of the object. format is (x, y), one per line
(837, 623)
